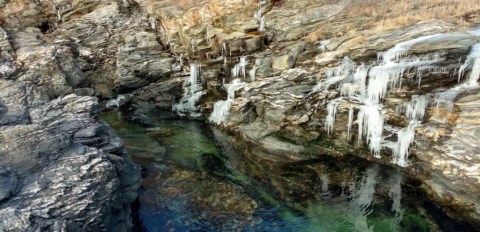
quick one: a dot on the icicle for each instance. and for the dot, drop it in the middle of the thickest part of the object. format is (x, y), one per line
(415, 109)
(393, 64)
(252, 73)
(360, 78)
(262, 25)
(332, 111)
(235, 71)
(243, 65)
(445, 99)
(350, 120)
(405, 139)
(59, 13)
(207, 35)
(343, 71)
(153, 23)
(370, 120)
(258, 13)
(192, 92)
(473, 60)
(223, 50)
(221, 108)
(345, 68)
(393, 68)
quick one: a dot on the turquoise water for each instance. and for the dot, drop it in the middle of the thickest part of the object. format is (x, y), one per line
(194, 181)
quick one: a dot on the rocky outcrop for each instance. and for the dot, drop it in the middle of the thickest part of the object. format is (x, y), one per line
(287, 116)
(65, 171)
(61, 168)
(53, 64)
(283, 113)
(141, 59)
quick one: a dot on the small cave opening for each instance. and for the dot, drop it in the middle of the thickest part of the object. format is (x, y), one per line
(44, 27)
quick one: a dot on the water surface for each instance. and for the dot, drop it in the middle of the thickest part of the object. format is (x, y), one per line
(194, 181)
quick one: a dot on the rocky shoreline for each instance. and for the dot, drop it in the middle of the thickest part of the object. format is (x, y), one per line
(63, 168)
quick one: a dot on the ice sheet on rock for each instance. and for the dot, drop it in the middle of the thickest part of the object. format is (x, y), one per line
(192, 92)
(221, 108)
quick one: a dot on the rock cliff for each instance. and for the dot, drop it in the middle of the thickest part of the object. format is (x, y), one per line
(317, 79)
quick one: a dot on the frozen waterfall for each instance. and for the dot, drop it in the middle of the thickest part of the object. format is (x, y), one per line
(221, 109)
(192, 92)
(368, 85)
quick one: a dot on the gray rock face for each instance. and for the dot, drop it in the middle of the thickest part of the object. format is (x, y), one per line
(140, 61)
(385, 40)
(299, 19)
(60, 168)
(8, 183)
(7, 64)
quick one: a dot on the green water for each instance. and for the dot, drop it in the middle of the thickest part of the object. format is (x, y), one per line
(194, 181)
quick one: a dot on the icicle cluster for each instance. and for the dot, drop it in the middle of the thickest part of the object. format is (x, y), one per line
(240, 68)
(336, 74)
(444, 100)
(258, 16)
(387, 75)
(192, 91)
(332, 111)
(221, 108)
(117, 102)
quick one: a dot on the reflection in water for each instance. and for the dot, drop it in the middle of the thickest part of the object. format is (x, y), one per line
(195, 181)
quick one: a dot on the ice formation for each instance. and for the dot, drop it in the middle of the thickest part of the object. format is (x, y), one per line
(337, 74)
(350, 120)
(258, 16)
(117, 102)
(152, 22)
(369, 85)
(444, 99)
(221, 109)
(370, 123)
(415, 109)
(405, 139)
(332, 111)
(252, 73)
(240, 68)
(192, 91)
(223, 50)
(243, 65)
(262, 25)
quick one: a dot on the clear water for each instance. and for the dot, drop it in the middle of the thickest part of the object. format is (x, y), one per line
(194, 181)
